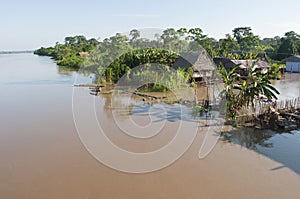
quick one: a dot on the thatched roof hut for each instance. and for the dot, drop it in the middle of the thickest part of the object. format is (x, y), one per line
(83, 54)
(200, 62)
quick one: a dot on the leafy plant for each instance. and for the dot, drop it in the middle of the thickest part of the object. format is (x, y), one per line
(242, 93)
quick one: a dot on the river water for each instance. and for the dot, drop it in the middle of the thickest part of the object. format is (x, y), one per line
(44, 152)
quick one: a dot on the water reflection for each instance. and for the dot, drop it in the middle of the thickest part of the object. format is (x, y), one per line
(281, 147)
(249, 138)
(27, 69)
(132, 105)
(288, 86)
(127, 105)
(43, 157)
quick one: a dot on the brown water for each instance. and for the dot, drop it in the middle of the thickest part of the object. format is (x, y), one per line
(288, 86)
(41, 155)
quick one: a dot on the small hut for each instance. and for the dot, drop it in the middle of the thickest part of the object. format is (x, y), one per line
(243, 65)
(202, 65)
(83, 54)
(293, 63)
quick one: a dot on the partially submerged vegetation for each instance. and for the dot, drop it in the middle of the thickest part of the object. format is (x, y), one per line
(241, 93)
(117, 57)
(67, 54)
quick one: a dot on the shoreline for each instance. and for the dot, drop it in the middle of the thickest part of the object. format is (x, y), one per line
(271, 117)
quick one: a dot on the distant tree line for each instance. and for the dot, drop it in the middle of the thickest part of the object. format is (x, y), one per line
(115, 56)
(67, 54)
(242, 43)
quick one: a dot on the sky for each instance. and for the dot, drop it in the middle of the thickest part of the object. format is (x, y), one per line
(30, 24)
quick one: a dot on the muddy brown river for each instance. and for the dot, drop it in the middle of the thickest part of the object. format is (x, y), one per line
(42, 154)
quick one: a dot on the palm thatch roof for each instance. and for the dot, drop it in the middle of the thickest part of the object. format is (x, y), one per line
(201, 63)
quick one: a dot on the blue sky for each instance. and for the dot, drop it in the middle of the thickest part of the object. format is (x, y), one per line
(31, 24)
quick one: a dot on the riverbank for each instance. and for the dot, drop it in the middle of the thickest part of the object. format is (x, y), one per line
(279, 116)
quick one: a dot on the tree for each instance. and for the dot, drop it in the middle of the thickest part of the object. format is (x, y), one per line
(228, 45)
(290, 45)
(245, 38)
(80, 39)
(133, 58)
(271, 46)
(257, 83)
(242, 94)
(196, 34)
(170, 37)
(70, 40)
(135, 34)
(232, 101)
(94, 42)
(242, 44)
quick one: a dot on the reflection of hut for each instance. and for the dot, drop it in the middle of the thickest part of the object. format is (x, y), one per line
(243, 64)
(202, 65)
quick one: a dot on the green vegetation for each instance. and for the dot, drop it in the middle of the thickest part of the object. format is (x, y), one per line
(200, 110)
(116, 56)
(67, 54)
(157, 80)
(123, 64)
(156, 77)
(241, 44)
(241, 93)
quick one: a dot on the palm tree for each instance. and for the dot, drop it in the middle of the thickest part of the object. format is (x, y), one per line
(242, 94)
(257, 83)
(230, 80)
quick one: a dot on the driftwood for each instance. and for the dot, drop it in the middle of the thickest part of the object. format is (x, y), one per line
(294, 116)
(148, 96)
(88, 85)
(281, 115)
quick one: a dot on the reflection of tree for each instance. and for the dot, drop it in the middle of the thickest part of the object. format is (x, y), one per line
(249, 138)
(62, 70)
(125, 105)
(107, 105)
(116, 102)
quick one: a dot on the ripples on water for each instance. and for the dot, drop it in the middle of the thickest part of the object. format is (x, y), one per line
(34, 128)
(30, 70)
(281, 147)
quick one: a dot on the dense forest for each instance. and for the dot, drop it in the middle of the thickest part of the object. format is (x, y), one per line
(116, 55)
(67, 54)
